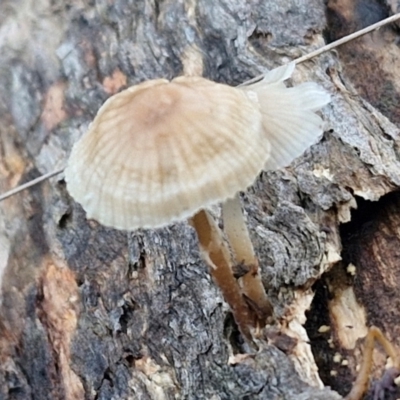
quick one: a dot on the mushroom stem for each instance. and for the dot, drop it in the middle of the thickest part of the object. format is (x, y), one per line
(236, 230)
(216, 253)
(238, 236)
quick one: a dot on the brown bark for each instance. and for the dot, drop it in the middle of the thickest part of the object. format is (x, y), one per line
(95, 313)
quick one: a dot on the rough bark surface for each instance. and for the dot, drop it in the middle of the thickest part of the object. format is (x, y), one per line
(94, 313)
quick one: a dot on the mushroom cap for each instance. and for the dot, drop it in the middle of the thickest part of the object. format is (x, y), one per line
(160, 151)
(289, 121)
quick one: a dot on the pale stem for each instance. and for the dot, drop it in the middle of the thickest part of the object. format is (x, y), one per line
(239, 239)
(215, 252)
(361, 384)
(236, 230)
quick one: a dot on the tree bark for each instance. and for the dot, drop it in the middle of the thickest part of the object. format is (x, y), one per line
(89, 312)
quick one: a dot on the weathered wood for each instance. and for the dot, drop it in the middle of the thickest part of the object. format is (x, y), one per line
(90, 312)
(361, 290)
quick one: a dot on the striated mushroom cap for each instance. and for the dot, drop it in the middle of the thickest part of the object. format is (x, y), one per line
(289, 121)
(160, 151)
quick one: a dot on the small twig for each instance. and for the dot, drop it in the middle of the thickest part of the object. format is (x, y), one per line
(299, 60)
(30, 184)
(347, 38)
(335, 44)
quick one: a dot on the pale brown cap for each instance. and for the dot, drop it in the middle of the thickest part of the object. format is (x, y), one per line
(160, 151)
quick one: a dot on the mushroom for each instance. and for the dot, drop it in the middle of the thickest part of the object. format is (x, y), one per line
(163, 151)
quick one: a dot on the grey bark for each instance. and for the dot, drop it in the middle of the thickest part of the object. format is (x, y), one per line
(90, 312)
